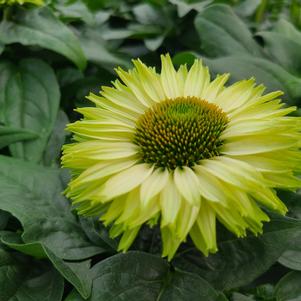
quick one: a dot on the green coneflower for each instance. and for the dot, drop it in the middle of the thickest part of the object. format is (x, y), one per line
(178, 149)
(21, 2)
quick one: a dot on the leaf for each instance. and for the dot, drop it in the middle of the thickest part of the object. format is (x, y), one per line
(288, 288)
(184, 7)
(223, 33)
(42, 28)
(30, 101)
(26, 280)
(56, 139)
(33, 195)
(246, 258)
(77, 273)
(126, 276)
(284, 46)
(96, 50)
(9, 135)
(4, 217)
(273, 76)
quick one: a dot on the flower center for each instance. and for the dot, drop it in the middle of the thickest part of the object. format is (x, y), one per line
(180, 132)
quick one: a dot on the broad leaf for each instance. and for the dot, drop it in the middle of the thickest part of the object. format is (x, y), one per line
(240, 261)
(26, 280)
(223, 33)
(284, 45)
(9, 135)
(140, 275)
(77, 273)
(42, 28)
(30, 101)
(288, 288)
(33, 195)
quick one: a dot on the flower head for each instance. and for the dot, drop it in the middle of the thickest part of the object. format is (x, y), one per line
(177, 149)
(21, 2)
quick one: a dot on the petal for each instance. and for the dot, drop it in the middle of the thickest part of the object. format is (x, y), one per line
(127, 239)
(215, 87)
(170, 243)
(234, 172)
(153, 185)
(101, 170)
(210, 187)
(257, 144)
(170, 202)
(197, 80)
(150, 81)
(187, 184)
(133, 81)
(125, 181)
(203, 232)
(186, 219)
(169, 78)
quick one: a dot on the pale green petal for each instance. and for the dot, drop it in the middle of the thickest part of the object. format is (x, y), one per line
(203, 233)
(215, 87)
(133, 81)
(210, 187)
(150, 81)
(153, 185)
(181, 78)
(115, 209)
(104, 103)
(101, 170)
(170, 243)
(234, 172)
(187, 184)
(197, 80)
(124, 182)
(236, 95)
(257, 144)
(186, 219)
(169, 78)
(170, 202)
(127, 239)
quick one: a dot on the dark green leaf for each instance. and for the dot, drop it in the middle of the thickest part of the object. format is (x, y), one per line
(33, 195)
(77, 273)
(4, 217)
(289, 288)
(223, 33)
(56, 139)
(146, 277)
(41, 27)
(96, 50)
(284, 46)
(9, 135)
(246, 258)
(24, 280)
(30, 101)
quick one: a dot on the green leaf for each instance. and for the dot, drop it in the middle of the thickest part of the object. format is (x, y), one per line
(246, 258)
(77, 273)
(223, 33)
(284, 46)
(4, 217)
(126, 276)
(273, 76)
(26, 280)
(288, 288)
(96, 50)
(56, 139)
(184, 7)
(9, 135)
(30, 101)
(42, 28)
(33, 195)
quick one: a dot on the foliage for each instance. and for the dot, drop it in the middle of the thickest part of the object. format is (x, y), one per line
(51, 57)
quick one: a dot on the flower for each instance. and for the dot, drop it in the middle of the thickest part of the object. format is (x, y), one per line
(21, 2)
(177, 149)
